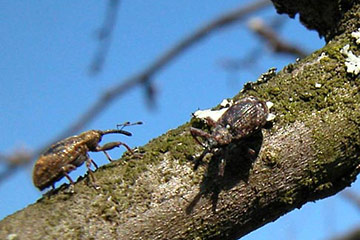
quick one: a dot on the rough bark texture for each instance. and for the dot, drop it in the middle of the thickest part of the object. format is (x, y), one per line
(324, 16)
(311, 152)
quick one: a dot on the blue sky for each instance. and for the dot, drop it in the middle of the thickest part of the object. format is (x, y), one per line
(46, 50)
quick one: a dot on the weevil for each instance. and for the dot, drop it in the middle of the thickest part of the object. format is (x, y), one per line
(241, 120)
(66, 155)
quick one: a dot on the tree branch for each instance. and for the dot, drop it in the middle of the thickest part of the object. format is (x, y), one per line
(311, 152)
(324, 16)
(271, 37)
(104, 36)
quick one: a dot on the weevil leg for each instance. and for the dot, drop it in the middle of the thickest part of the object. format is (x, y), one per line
(222, 165)
(93, 162)
(91, 174)
(251, 153)
(111, 145)
(66, 169)
(108, 156)
(197, 132)
(210, 122)
(200, 158)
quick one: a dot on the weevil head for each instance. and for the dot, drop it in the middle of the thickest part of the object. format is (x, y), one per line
(91, 138)
(220, 136)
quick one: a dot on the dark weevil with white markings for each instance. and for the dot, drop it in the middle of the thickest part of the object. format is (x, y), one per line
(241, 120)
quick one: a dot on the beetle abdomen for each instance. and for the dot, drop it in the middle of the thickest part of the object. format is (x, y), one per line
(49, 167)
(245, 117)
(46, 172)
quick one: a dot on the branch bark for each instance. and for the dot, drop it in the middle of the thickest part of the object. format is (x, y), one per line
(311, 152)
(327, 17)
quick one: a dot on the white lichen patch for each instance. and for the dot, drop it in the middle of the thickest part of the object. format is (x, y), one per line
(214, 114)
(352, 62)
(322, 56)
(356, 35)
(208, 113)
(226, 103)
(12, 236)
(270, 116)
(269, 104)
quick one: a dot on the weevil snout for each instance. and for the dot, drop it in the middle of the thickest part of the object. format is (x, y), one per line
(120, 131)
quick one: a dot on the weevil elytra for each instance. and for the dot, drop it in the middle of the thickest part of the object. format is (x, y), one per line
(68, 154)
(241, 120)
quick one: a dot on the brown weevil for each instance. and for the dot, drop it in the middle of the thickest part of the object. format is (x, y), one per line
(241, 120)
(66, 155)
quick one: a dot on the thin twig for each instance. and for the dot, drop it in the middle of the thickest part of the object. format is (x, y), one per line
(353, 234)
(352, 197)
(275, 42)
(145, 75)
(267, 32)
(105, 36)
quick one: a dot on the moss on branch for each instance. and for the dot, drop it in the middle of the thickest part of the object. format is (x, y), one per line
(311, 152)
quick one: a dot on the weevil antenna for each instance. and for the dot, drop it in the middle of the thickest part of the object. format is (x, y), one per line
(125, 124)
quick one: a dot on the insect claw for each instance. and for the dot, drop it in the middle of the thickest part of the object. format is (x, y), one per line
(71, 189)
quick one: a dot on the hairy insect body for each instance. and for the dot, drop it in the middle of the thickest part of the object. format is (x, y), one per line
(246, 117)
(70, 153)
